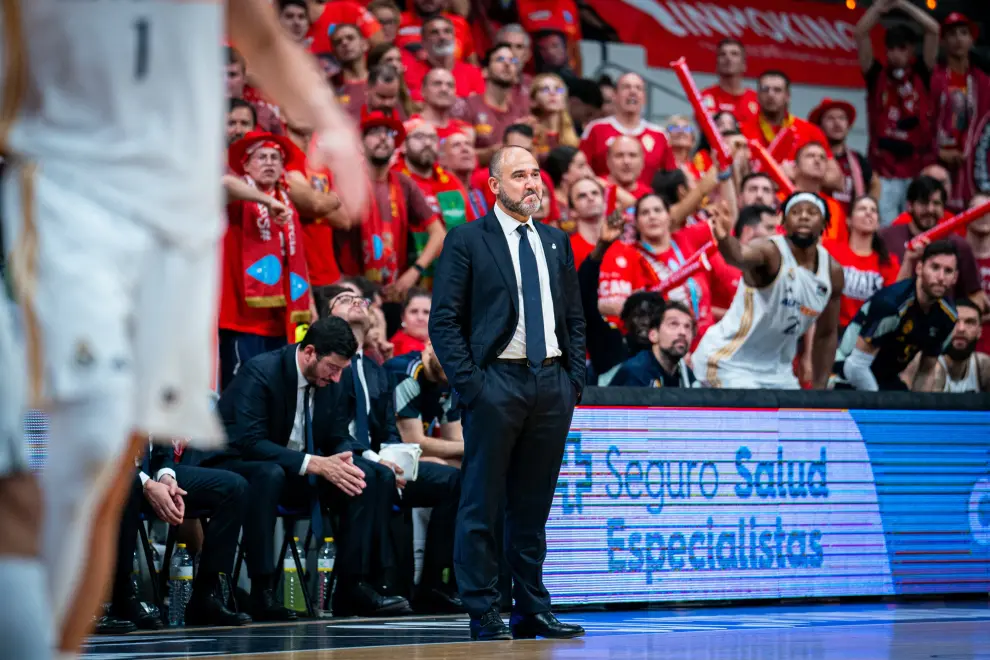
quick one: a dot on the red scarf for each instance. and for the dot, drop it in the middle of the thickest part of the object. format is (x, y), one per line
(272, 260)
(900, 127)
(955, 126)
(378, 241)
(854, 186)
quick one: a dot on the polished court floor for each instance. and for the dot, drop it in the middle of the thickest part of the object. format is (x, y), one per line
(860, 631)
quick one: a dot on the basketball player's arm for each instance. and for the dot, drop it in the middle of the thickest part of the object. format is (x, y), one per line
(758, 260)
(924, 377)
(292, 79)
(939, 380)
(827, 331)
(983, 371)
(411, 431)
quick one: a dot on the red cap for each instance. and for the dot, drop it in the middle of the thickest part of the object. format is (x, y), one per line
(378, 118)
(828, 104)
(958, 18)
(239, 152)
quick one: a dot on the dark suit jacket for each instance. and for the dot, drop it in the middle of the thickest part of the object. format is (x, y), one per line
(381, 394)
(259, 407)
(476, 300)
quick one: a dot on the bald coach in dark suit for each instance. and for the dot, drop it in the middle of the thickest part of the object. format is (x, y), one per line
(508, 328)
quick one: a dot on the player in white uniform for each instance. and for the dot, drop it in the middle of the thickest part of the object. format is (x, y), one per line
(789, 282)
(112, 201)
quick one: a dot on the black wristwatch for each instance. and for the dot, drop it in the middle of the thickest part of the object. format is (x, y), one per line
(419, 269)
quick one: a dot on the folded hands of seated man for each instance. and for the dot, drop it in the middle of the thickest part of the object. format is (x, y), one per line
(339, 470)
(166, 500)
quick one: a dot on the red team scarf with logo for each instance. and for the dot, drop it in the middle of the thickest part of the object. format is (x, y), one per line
(272, 259)
(378, 244)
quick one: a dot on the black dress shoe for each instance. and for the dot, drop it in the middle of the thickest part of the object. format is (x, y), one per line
(489, 627)
(264, 607)
(544, 624)
(209, 610)
(361, 599)
(111, 625)
(137, 612)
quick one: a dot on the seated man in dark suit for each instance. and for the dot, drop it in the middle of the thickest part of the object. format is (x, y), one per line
(180, 485)
(287, 408)
(371, 407)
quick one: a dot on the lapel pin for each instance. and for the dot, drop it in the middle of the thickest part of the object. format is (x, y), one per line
(553, 245)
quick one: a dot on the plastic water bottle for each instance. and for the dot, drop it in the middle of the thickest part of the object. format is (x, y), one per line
(179, 585)
(292, 594)
(324, 588)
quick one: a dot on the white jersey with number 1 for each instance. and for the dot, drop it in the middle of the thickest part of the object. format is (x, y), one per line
(124, 101)
(754, 344)
(112, 132)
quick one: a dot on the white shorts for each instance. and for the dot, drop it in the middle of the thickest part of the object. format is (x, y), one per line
(112, 309)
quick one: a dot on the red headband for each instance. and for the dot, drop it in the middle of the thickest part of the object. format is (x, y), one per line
(264, 144)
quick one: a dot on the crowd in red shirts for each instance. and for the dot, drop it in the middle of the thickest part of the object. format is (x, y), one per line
(437, 86)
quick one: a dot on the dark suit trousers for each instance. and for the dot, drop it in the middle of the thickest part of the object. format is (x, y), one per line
(437, 487)
(355, 532)
(222, 497)
(130, 518)
(217, 494)
(265, 483)
(514, 436)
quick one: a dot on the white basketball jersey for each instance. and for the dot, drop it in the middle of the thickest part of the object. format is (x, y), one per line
(968, 383)
(760, 331)
(122, 101)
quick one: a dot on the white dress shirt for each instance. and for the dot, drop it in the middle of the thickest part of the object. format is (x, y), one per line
(297, 439)
(357, 364)
(517, 345)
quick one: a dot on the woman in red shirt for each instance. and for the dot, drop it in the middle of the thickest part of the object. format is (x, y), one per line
(414, 333)
(653, 257)
(867, 265)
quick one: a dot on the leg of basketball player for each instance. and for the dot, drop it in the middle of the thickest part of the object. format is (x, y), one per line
(78, 263)
(25, 617)
(24, 611)
(85, 488)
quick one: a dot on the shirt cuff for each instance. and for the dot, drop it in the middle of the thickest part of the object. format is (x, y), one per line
(144, 478)
(371, 456)
(305, 464)
(166, 472)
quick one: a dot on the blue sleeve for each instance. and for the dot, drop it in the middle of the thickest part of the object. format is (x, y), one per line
(627, 376)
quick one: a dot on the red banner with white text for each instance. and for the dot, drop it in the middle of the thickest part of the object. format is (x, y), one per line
(813, 43)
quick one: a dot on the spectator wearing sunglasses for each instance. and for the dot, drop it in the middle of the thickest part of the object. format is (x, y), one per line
(550, 119)
(683, 135)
